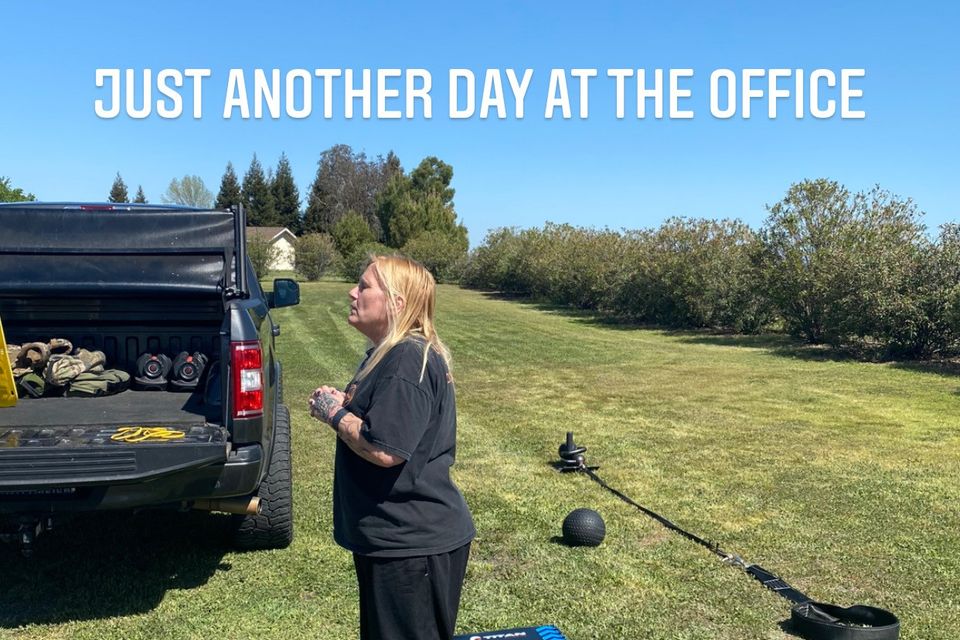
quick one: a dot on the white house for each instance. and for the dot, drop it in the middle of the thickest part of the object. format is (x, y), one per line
(281, 239)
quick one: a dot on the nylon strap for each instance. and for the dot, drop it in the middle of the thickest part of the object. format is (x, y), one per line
(771, 581)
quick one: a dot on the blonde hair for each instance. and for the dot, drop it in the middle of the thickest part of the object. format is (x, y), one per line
(399, 276)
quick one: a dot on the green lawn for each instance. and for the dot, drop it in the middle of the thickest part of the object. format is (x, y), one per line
(841, 476)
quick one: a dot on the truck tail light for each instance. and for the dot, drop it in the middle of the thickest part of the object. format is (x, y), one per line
(247, 378)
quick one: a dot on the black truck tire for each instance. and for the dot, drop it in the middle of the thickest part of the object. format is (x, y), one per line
(272, 528)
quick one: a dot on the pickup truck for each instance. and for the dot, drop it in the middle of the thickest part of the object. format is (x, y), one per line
(129, 280)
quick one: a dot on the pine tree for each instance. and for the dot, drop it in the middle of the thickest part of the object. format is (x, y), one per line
(391, 166)
(257, 197)
(118, 192)
(318, 202)
(422, 201)
(286, 196)
(229, 189)
(140, 199)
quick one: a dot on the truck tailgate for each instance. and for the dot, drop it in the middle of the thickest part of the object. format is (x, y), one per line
(56, 442)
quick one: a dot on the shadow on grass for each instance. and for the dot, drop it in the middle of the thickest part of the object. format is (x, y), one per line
(110, 564)
(789, 628)
(777, 344)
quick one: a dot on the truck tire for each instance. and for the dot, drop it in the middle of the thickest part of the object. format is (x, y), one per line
(272, 528)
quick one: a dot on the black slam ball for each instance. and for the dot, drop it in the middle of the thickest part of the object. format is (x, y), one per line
(583, 528)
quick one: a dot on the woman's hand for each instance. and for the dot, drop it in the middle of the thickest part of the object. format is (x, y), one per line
(325, 402)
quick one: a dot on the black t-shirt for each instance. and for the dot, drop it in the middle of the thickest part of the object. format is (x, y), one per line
(413, 508)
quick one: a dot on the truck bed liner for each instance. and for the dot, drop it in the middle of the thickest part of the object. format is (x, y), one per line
(129, 408)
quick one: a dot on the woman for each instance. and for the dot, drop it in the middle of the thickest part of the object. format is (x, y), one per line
(394, 504)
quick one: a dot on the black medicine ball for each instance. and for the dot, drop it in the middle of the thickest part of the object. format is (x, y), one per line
(583, 528)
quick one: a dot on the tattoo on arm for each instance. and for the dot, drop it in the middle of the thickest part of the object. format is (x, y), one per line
(323, 404)
(350, 432)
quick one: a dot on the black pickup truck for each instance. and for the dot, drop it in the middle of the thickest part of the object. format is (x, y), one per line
(129, 280)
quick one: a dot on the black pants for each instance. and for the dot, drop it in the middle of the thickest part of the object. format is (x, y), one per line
(410, 598)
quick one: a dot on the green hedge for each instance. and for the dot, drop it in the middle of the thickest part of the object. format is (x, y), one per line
(856, 271)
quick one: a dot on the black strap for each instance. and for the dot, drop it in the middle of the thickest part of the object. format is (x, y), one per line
(813, 620)
(712, 546)
(766, 578)
(777, 584)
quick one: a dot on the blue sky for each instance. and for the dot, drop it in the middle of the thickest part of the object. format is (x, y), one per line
(598, 171)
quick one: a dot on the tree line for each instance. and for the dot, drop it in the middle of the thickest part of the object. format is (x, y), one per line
(354, 205)
(855, 271)
(357, 205)
(9, 193)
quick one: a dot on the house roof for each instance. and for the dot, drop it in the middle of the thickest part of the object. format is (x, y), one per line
(269, 233)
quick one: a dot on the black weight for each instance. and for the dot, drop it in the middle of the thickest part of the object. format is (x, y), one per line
(152, 372)
(188, 369)
(583, 528)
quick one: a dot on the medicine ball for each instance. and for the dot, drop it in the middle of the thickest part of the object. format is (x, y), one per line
(583, 528)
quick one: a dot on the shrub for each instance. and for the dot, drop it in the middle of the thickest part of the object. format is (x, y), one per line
(575, 266)
(845, 269)
(931, 322)
(315, 255)
(805, 261)
(496, 264)
(688, 273)
(262, 254)
(351, 266)
(704, 275)
(442, 253)
(351, 232)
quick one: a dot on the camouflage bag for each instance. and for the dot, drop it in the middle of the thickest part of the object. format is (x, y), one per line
(93, 385)
(60, 346)
(33, 356)
(31, 385)
(93, 361)
(61, 369)
(13, 350)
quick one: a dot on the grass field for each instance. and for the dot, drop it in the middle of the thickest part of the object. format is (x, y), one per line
(843, 477)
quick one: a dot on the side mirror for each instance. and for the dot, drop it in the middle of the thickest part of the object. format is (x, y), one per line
(286, 293)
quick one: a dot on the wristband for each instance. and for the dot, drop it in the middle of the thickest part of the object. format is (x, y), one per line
(337, 417)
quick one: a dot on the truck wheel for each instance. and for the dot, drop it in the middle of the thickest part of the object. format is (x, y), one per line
(272, 528)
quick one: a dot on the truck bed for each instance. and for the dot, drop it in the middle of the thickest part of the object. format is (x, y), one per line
(130, 408)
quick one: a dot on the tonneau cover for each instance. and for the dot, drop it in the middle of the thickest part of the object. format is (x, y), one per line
(82, 249)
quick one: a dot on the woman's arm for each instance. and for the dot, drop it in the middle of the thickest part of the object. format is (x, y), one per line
(350, 431)
(325, 403)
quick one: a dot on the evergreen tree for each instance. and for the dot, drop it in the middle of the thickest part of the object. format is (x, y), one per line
(422, 201)
(391, 166)
(432, 177)
(118, 192)
(351, 233)
(393, 200)
(229, 194)
(314, 218)
(286, 196)
(140, 198)
(257, 198)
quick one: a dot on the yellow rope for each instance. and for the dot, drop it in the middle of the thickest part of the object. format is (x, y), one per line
(145, 434)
